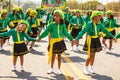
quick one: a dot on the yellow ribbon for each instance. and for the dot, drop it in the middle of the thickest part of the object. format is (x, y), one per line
(69, 27)
(109, 29)
(38, 21)
(89, 43)
(95, 29)
(34, 26)
(19, 41)
(52, 41)
(12, 23)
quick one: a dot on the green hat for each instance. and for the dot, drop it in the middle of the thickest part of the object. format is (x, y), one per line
(109, 12)
(23, 22)
(95, 13)
(77, 10)
(20, 8)
(16, 8)
(33, 13)
(3, 11)
(100, 13)
(60, 13)
(38, 8)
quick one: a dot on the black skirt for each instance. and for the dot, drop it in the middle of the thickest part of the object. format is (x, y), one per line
(34, 30)
(58, 47)
(95, 45)
(19, 49)
(4, 37)
(107, 37)
(75, 32)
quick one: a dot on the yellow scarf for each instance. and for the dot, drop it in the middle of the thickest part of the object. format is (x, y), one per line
(52, 41)
(89, 39)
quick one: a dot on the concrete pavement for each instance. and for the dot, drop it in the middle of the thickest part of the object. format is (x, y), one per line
(106, 64)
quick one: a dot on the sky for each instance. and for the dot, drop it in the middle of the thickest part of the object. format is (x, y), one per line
(102, 1)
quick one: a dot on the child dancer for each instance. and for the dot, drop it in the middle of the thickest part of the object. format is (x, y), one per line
(92, 44)
(4, 22)
(57, 30)
(19, 48)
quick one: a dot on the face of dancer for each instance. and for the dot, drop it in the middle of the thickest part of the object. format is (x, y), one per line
(22, 27)
(56, 17)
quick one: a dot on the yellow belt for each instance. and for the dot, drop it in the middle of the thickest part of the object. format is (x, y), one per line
(52, 41)
(77, 27)
(34, 26)
(4, 29)
(38, 21)
(109, 29)
(19, 42)
(12, 23)
(89, 43)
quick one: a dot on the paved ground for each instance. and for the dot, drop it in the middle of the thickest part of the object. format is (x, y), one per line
(107, 65)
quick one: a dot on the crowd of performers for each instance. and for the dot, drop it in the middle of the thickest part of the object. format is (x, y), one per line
(57, 25)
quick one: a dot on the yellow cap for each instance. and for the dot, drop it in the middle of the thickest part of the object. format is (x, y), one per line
(33, 13)
(3, 11)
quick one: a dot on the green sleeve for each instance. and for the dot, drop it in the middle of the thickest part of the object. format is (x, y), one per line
(66, 33)
(115, 24)
(46, 32)
(105, 31)
(82, 32)
(118, 35)
(9, 33)
(72, 21)
(28, 37)
(29, 28)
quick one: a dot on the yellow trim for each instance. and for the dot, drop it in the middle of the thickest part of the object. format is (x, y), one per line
(38, 21)
(89, 43)
(58, 30)
(52, 41)
(110, 23)
(4, 29)
(34, 25)
(110, 29)
(12, 23)
(3, 25)
(69, 27)
(95, 29)
(19, 42)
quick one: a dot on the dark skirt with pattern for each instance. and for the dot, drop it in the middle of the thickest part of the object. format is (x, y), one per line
(19, 49)
(107, 37)
(58, 47)
(4, 37)
(95, 45)
(75, 32)
(34, 30)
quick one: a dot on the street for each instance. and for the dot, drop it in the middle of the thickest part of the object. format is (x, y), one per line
(107, 65)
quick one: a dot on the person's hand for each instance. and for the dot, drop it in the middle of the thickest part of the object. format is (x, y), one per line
(38, 40)
(31, 33)
(75, 25)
